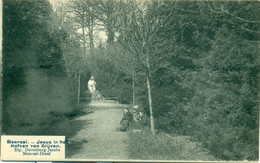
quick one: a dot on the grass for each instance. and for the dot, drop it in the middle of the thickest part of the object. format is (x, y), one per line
(145, 146)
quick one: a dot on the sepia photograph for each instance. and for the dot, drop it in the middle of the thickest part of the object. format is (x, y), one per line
(132, 80)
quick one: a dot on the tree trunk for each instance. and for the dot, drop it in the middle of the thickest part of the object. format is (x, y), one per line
(78, 87)
(90, 30)
(83, 33)
(133, 89)
(148, 78)
(110, 19)
(110, 36)
(150, 103)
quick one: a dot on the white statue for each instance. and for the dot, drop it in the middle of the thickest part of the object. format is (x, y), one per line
(91, 85)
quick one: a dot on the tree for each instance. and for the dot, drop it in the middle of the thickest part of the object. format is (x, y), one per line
(124, 62)
(140, 23)
(74, 53)
(138, 31)
(106, 12)
(224, 84)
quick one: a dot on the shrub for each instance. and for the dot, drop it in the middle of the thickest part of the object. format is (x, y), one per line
(145, 146)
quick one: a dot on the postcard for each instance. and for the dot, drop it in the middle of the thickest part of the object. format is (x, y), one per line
(130, 80)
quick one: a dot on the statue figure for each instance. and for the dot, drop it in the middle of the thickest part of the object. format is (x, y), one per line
(91, 85)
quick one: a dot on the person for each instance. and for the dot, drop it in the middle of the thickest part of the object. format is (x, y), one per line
(128, 115)
(136, 112)
(140, 118)
(143, 118)
(92, 85)
(126, 120)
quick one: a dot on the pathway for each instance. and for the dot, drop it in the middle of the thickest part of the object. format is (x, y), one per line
(100, 137)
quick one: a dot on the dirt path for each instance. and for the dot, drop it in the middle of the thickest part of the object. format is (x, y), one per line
(100, 138)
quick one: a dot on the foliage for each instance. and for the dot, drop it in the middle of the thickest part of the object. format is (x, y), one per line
(145, 146)
(226, 98)
(204, 69)
(110, 81)
(214, 97)
(34, 73)
(202, 61)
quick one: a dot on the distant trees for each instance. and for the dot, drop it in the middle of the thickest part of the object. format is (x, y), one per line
(75, 19)
(82, 13)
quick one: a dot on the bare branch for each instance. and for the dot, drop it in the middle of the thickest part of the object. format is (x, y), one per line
(249, 30)
(239, 18)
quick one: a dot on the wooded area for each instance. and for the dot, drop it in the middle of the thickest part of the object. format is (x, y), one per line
(192, 65)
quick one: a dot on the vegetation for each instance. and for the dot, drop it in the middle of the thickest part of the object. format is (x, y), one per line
(37, 79)
(194, 66)
(165, 147)
(202, 64)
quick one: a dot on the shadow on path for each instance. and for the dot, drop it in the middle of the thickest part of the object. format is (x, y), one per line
(73, 147)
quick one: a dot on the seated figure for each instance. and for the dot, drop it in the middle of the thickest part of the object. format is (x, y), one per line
(144, 120)
(126, 120)
(136, 112)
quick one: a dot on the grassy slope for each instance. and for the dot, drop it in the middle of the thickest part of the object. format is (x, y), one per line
(145, 146)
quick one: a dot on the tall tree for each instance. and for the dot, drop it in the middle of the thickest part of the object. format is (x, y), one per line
(107, 15)
(74, 53)
(137, 36)
(124, 62)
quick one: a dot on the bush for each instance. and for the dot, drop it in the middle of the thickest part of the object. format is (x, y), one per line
(145, 146)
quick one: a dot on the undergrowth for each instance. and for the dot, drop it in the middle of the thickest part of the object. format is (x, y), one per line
(146, 146)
